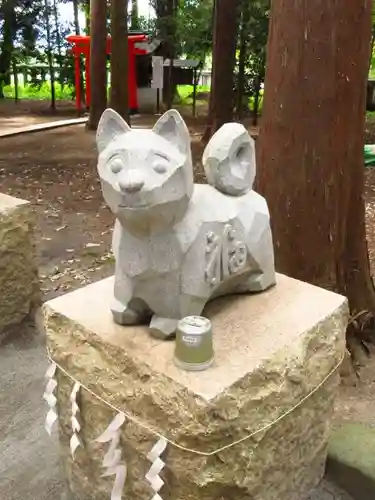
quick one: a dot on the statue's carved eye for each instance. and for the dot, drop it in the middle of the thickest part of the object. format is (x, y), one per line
(160, 168)
(116, 165)
(160, 164)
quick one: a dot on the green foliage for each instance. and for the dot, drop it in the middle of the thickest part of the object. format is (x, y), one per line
(260, 103)
(19, 31)
(23, 38)
(185, 93)
(194, 25)
(134, 16)
(39, 92)
(22, 18)
(256, 34)
(147, 25)
(166, 24)
(187, 25)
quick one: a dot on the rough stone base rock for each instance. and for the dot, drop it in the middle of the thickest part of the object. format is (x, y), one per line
(19, 285)
(272, 350)
(327, 490)
(351, 460)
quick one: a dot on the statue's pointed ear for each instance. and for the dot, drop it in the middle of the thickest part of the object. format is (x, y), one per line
(111, 125)
(172, 127)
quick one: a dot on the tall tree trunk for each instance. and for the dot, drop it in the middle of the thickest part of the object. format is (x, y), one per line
(77, 28)
(58, 43)
(171, 86)
(311, 143)
(135, 16)
(9, 33)
(208, 130)
(245, 18)
(87, 7)
(15, 76)
(372, 45)
(257, 89)
(50, 54)
(98, 62)
(119, 58)
(224, 56)
(166, 11)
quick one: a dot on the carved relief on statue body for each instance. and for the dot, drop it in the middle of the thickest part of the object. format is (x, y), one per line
(178, 244)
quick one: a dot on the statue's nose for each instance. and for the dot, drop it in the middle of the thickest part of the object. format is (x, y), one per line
(131, 182)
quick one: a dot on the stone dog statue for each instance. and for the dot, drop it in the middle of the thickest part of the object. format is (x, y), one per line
(178, 244)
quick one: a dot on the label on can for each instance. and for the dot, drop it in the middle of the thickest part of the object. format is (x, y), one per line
(191, 341)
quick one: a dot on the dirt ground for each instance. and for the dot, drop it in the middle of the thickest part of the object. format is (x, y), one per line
(56, 171)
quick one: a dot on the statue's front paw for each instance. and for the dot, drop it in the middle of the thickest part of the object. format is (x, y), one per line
(124, 315)
(163, 328)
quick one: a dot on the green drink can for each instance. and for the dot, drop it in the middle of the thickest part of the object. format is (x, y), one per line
(194, 344)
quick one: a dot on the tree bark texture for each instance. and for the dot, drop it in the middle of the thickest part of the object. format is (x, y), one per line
(58, 45)
(208, 130)
(50, 54)
(166, 11)
(7, 43)
(257, 89)
(224, 56)
(76, 17)
(98, 61)
(245, 17)
(87, 7)
(135, 16)
(77, 30)
(311, 143)
(119, 58)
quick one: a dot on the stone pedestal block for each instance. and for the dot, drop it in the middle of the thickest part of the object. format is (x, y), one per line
(19, 285)
(272, 351)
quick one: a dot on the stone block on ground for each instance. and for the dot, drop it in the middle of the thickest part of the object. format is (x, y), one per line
(19, 285)
(351, 460)
(277, 360)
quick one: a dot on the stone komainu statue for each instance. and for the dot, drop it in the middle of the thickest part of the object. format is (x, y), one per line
(178, 244)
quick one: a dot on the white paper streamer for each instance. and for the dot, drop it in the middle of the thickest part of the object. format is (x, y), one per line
(157, 466)
(112, 459)
(194, 451)
(76, 426)
(50, 397)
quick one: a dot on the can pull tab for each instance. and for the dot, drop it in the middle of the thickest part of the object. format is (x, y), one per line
(196, 325)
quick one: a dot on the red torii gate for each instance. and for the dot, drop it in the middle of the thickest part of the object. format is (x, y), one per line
(81, 45)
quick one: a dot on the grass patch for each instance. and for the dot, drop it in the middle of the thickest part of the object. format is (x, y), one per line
(260, 103)
(37, 92)
(185, 93)
(42, 92)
